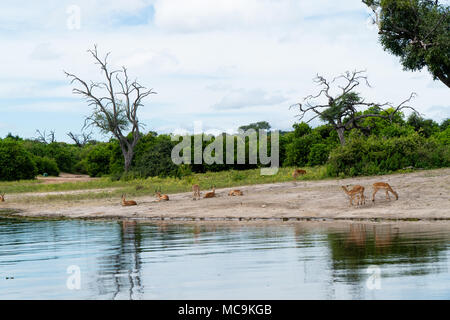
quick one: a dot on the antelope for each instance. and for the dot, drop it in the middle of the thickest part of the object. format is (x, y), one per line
(383, 185)
(126, 203)
(2, 197)
(357, 191)
(211, 194)
(160, 197)
(196, 190)
(235, 193)
(298, 172)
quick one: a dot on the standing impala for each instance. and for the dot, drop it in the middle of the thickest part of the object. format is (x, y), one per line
(356, 191)
(196, 190)
(2, 197)
(383, 185)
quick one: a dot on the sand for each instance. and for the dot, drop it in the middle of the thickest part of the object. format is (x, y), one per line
(423, 195)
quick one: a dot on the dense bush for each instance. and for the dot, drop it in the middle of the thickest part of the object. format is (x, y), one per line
(380, 146)
(371, 156)
(98, 160)
(46, 165)
(318, 154)
(65, 155)
(154, 158)
(15, 162)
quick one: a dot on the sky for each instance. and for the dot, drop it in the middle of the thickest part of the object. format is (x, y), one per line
(220, 63)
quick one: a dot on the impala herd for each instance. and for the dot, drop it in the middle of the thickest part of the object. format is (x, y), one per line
(357, 192)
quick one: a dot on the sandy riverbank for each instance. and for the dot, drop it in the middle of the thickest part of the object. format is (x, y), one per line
(422, 195)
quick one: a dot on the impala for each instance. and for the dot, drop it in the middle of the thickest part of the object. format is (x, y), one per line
(196, 190)
(211, 194)
(161, 197)
(383, 185)
(235, 193)
(127, 203)
(356, 191)
(2, 197)
(298, 172)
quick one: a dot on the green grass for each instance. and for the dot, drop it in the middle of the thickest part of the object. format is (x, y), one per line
(141, 187)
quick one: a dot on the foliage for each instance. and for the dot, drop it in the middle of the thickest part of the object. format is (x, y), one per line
(417, 32)
(262, 125)
(46, 165)
(379, 156)
(98, 160)
(388, 145)
(16, 163)
(426, 127)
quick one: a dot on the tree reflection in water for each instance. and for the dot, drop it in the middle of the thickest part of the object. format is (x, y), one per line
(122, 275)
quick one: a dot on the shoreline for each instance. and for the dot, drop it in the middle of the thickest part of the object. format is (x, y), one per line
(423, 196)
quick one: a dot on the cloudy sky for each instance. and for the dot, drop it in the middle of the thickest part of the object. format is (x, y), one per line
(225, 63)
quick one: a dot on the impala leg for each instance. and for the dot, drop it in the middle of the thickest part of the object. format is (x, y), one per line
(387, 195)
(374, 193)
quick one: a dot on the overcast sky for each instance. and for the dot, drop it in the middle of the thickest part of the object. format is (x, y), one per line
(223, 62)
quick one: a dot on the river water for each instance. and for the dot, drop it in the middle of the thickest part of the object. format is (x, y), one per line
(75, 259)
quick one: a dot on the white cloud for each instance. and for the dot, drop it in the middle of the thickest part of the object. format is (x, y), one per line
(243, 98)
(250, 59)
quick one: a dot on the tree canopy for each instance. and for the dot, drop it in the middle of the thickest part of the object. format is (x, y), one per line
(418, 32)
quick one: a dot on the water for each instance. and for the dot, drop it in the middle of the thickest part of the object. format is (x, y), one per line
(307, 260)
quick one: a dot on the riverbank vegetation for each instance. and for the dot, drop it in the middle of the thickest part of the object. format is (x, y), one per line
(390, 145)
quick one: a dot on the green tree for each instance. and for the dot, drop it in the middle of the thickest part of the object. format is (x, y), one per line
(16, 163)
(98, 160)
(344, 110)
(425, 127)
(263, 125)
(46, 165)
(418, 32)
(154, 158)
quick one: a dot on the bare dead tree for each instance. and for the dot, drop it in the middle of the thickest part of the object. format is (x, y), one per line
(344, 109)
(44, 137)
(115, 104)
(80, 140)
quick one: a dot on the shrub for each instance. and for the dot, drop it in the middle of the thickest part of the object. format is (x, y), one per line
(156, 160)
(371, 156)
(15, 162)
(318, 154)
(46, 165)
(98, 160)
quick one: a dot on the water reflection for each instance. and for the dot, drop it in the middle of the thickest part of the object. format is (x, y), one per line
(414, 252)
(308, 260)
(119, 273)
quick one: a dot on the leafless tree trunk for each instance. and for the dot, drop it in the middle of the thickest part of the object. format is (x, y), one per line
(46, 138)
(341, 110)
(80, 139)
(115, 104)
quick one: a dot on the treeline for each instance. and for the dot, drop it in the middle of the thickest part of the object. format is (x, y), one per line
(385, 147)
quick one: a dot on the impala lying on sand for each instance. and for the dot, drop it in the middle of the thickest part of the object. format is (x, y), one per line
(235, 193)
(211, 194)
(298, 172)
(161, 197)
(196, 190)
(127, 203)
(383, 185)
(356, 191)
